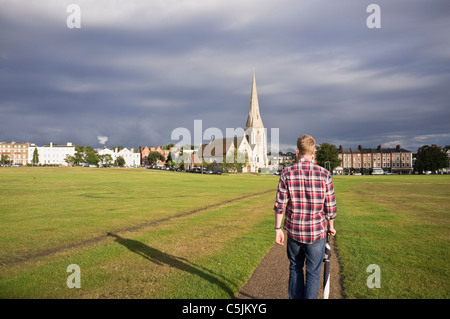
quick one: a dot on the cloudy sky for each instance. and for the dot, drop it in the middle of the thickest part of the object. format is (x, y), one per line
(137, 70)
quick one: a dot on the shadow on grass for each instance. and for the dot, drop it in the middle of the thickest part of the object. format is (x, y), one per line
(161, 258)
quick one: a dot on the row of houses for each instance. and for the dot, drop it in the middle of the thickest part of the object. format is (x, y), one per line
(52, 154)
(132, 159)
(22, 153)
(393, 160)
(19, 153)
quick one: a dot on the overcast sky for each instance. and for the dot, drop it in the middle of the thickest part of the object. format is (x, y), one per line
(137, 70)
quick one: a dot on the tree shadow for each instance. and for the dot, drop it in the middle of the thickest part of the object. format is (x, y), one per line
(161, 258)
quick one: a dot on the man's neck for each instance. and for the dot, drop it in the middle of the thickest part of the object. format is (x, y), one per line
(306, 157)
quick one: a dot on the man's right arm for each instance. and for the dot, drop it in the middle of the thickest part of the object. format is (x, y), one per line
(330, 207)
(279, 208)
(330, 227)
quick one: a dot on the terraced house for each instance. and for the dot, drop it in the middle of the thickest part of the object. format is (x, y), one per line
(367, 160)
(51, 154)
(15, 153)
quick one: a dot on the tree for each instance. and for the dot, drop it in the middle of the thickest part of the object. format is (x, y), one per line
(85, 154)
(70, 159)
(4, 159)
(430, 158)
(35, 159)
(105, 160)
(154, 156)
(168, 146)
(79, 157)
(91, 157)
(120, 161)
(327, 156)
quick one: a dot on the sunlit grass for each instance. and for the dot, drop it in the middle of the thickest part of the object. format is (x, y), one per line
(162, 260)
(400, 223)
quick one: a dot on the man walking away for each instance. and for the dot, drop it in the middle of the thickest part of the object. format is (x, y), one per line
(306, 196)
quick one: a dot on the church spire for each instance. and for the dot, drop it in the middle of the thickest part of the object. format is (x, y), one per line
(254, 118)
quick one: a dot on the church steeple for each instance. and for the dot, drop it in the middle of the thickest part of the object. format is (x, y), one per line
(254, 117)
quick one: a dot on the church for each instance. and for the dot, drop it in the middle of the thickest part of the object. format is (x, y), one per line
(251, 147)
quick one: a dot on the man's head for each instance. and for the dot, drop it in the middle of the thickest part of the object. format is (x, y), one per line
(306, 145)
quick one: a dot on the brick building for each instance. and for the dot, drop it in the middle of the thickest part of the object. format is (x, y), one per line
(147, 150)
(17, 153)
(367, 160)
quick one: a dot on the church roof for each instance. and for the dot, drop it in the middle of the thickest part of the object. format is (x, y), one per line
(254, 117)
(220, 146)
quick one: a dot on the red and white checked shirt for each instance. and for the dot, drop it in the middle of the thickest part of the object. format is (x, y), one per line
(306, 195)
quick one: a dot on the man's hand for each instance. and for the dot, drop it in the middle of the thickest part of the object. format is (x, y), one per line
(279, 237)
(331, 231)
(330, 228)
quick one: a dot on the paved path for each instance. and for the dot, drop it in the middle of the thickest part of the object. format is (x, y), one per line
(270, 278)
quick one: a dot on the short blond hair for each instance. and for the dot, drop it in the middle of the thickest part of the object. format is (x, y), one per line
(306, 145)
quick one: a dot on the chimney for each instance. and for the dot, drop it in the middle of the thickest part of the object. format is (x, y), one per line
(397, 148)
(360, 147)
(379, 147)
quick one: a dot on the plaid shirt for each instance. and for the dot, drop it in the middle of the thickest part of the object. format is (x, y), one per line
(306, 194)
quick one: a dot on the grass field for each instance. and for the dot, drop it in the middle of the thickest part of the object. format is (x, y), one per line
(150, 234)
(173, 235)
(401, 224)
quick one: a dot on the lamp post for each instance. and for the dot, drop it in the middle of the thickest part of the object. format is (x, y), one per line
(329, 165)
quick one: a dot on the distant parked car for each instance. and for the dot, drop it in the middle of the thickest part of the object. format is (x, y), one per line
(377, 171)
(278, 172)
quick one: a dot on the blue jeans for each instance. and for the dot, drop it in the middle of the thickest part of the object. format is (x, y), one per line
(297, 253)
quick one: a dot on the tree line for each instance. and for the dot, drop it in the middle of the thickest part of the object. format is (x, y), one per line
(87, 154)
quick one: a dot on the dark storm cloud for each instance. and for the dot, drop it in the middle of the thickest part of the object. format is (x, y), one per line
(136, 71)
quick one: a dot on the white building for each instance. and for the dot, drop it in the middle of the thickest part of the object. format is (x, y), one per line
(256, 134)
(252, 146)
(51, 154)
(131, 158)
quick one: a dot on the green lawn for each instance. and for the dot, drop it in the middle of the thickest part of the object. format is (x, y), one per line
(210, 232)
(401, 224)
(178, 235)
